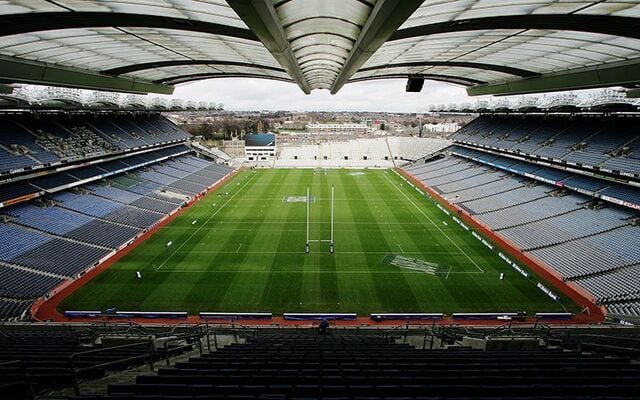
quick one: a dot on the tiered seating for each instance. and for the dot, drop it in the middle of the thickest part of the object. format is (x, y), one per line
(14, 309)
(61, 257)
(113, 193)
(609, 143)
(37, 251)
(115, 134)
(157, 177)
(87, 204)
(481, 178)
(154, 205)
(622, 192)
(411, 148)
(52, 181)
(531, 211)
(599, 253)
(134, 183)
(583, 244)
(17, 189)
(187, 187)
(599, 187)
(17, 240)
(44, 355)
(472, 170)
(21, 284)
(504, 184)
(27, 142)
(18, 148)
(133, 216)
(615, 286)
(621, 343)
(504, 200)
(68, 139)
(63, 237)
(368, 367)
(103, 233)
(359, 153)
(570, 226)
(630, 308)
(50, 219)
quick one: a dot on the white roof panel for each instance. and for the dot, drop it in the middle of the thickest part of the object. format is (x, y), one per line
(185, 39)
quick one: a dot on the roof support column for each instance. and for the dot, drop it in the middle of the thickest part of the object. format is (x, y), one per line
(385, 18)
(261, 17)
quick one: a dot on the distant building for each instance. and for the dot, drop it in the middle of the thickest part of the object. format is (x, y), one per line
(294, 125)
(446, 127)
(260, 146)
(338, 129)
(374, 123)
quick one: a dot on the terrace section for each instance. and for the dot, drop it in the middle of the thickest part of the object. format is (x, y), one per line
(586, 229)
(29, 144)
(72, 228)
(594, 144)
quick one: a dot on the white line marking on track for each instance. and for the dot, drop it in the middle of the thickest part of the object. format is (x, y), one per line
(202, 226)
(433, 223)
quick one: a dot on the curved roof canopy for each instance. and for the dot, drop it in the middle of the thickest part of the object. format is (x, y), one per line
(490, 46)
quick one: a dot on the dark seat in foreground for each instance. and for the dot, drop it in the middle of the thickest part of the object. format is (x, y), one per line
(361, 367)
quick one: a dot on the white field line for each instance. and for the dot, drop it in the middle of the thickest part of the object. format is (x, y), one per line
(203, 225)
(357, 272)
(317, 199)
(219, 229)
(401, 250)
(448, 272)
(297, 252)
(239, 247)
(433, 223)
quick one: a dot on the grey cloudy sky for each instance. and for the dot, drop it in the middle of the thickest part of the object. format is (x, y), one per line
(260, 94)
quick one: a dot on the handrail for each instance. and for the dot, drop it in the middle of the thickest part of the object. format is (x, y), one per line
(8, 363)
(197, 336)
(389, 332)
(74, 371)
(251, 332)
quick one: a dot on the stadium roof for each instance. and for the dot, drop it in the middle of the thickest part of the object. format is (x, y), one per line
(491, 46)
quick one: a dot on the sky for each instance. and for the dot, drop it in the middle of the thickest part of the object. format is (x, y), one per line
(261, 94)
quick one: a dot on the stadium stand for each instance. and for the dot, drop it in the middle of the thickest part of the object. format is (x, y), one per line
(372, 367)
(71, 225)
(29, 143)
(605, 144)
(58, 358)
(584, 227)
(23, 284)
(359, 153)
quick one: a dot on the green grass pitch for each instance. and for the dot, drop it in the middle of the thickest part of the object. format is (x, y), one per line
(395, 251)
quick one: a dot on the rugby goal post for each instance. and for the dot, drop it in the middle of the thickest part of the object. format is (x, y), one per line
(330, 240)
